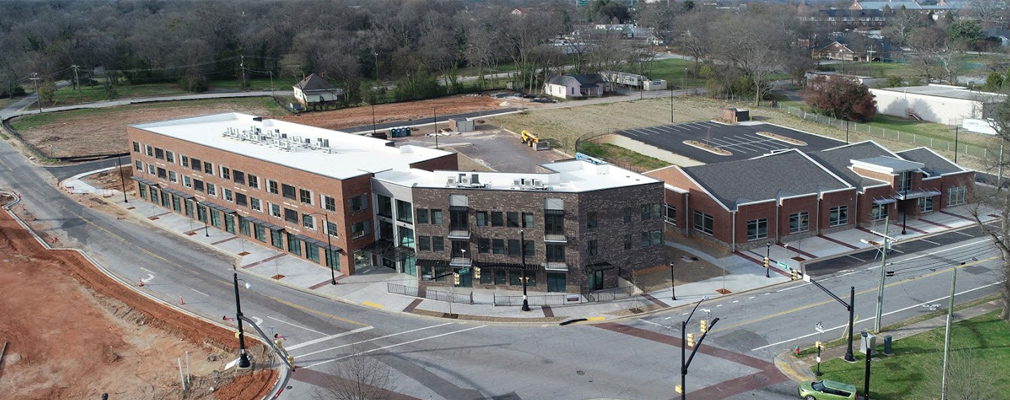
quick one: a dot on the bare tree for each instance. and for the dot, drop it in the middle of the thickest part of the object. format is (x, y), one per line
(754, 45)
(901, 24)
(997, 201)
(358, 377)
(928, 44)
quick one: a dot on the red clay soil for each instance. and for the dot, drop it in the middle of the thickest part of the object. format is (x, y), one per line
(248, 386)
(73, 333)
(359, 116)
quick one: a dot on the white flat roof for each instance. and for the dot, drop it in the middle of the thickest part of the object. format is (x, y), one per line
(569, 176)
(346, 156)
(947, 91)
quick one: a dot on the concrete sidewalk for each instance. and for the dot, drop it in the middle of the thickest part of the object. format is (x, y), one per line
(378, 287)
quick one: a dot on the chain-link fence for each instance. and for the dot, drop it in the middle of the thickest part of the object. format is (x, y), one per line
(890, 134)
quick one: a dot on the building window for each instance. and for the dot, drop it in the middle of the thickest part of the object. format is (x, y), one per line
(197, 165)
(329, 203)
(627, 215)
(239, 177)
(149, 151)
(139, 166)
(657, 211)
(272, 186)
(423, 243)
(276, 240)
(906, 181)
(169, 157)
(136, 147)
(591, 219)
(305, 196)
(671, 214)
(385, 206)
(838, 216)
(359, 203)
(627, 241)
(255, 204)
(211, 189)
(513, 247)
(512, 219)
(294, 245)
(657, 237)
(529, 248)
(198, 185)
(554, 224)
(799, 222)
(162, 173)
(260, 233)
(646, 212)
(187, 181)
(704, 223)
(308, 221)
(926, 204)
(645, 239)
(360, 229)
(956, 196)
(184, 160)
(150, 169)
(422, 215)
(879, 212)
(483, 245)
(497, 246)
(225, 172)
(481, 217)
(288, 191)
(208, 168)
(172, 177)
(159, 153)
(437, 243)
(527, 220)
(275, 210)
(227, 195)
(556, 252)
(757, 229)
(406, 236)
(497, 218)
(436, 217)
(312, 252)
(254, 181)
(290, 215)
(592, 249)
(404, 212)
(331, 229)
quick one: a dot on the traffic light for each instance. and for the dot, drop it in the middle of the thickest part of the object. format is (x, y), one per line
(819, 344)
(767, 261)
(476, 272)
(796, 274)
(678, 389)
(690, 340)
(455, 278)
(704, 326)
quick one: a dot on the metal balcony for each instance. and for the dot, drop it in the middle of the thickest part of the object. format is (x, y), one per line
(460, 234)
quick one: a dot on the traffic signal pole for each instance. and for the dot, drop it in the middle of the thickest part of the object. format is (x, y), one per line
(851, 306)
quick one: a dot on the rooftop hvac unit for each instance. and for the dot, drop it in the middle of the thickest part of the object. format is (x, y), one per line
(516, 183)
(538, 183)
(450, 181)
(324, 142)
(283, 135)
(463, 180)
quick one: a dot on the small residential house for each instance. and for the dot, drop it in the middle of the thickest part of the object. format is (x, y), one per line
(574, 86)
(1001, 35)
(314, 91)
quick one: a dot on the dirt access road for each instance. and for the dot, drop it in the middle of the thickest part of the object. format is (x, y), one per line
(359, 116)
(73, 333)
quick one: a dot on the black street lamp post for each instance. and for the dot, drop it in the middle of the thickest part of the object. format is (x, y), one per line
(373, 91)
(119, 163)
(522, 249)
(206, 221)
(685, 362)
(673, 289)
(435, 120)
(243, 358)
(768, 259)
(904, 208)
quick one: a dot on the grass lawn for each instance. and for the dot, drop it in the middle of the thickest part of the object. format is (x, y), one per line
(673, 70)
(6, 101)
(984, 340)
(623, 157)
(255, 84)
(91, 94)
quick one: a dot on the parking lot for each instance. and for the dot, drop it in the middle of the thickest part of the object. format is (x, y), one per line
(740, 140)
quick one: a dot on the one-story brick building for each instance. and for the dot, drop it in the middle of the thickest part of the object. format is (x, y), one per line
(791, 195)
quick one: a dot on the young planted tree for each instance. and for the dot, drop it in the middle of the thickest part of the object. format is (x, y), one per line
(840, 97)
(359, 377)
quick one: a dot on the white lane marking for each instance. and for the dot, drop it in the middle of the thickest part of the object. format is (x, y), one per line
(145, 269)
(793, 287)
(718, 305)
(751, 298)
(930, 242)
(962, 233)
(736, 301)
(653, 323)
(205, 294)
(883, 315)
(296, 326)
(856, 258)
(258, 321)
(363, 341)
(149, 277)
(394, 345)
(331, 337)
(943, 251)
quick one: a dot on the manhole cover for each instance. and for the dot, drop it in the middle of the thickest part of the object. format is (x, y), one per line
(580, 372)
(278, 276)
(723, 291)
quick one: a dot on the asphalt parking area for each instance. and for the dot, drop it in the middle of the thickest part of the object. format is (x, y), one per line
(740, 140)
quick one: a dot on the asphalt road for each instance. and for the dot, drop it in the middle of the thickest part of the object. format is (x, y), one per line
(428, 121)
(434, 358)
(740, 140)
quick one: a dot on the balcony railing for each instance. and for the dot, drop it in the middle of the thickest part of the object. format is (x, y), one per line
(556, 266)
(459, 234)
(460, 262)
(555, 238)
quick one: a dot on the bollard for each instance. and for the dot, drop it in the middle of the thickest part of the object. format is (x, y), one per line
(180, 300)
(887, 345)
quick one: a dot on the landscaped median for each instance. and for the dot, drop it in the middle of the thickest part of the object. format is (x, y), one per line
(977, 365)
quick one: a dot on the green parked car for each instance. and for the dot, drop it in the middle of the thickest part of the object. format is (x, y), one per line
(827, 390)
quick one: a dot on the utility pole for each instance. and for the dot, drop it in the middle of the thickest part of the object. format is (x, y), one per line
(122, 178)
(671, 105)
(883, 267)
(35, 79)
(77, 82)
(435, 120)
(955, 142)
(522, 250)
(946, 336)
(241, 67)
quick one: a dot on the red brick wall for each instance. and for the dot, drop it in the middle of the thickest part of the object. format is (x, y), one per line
(835, 199)
(795, 205)
(449, 162)
(866, 204)
(876, 175)
(750, 212)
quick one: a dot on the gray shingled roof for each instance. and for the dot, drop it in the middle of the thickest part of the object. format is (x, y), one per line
(838, 160)
(583, 80)
(314, 82)
(784, 174)
(935, 165)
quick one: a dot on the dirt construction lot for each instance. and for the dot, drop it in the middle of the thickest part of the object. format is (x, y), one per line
(359, 116)
(72, 333)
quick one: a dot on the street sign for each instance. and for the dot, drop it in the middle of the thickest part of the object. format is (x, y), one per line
(782, 264)
(464, 271)
(819, 327)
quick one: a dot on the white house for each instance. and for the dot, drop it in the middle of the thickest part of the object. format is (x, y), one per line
(574, 86)
(942, 104)
(316, 91)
